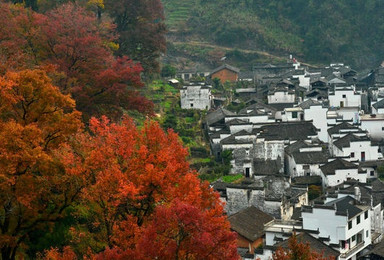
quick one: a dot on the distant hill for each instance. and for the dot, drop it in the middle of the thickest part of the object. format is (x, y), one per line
(350, 31)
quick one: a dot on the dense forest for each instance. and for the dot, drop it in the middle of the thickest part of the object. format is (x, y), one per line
(315, 31)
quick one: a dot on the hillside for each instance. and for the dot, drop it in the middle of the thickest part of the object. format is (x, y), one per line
(314, 31)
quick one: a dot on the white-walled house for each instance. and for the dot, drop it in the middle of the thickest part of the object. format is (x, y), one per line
(314, 111)
(371, 167)
(342, 129)
(344, 221)
(252, 116)
(236, 125)
(303, 159)
(355, 147)
(340, 228)
(344, 97)
(281, 95)
(337, 171)
(273, 138)
(374, 124)
(304, 79)
(196, 97)
(368, 194)
(292, 114)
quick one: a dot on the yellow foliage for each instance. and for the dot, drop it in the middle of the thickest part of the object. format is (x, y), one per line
(98, 3)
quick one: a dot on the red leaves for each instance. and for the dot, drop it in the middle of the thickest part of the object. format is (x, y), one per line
(181, 230)
(73, 42)
(143, 192)
(298, 250)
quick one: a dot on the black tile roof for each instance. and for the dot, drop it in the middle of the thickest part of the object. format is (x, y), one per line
(288, 131)
(258, 106)
(232, 140)
(308, 103)
(225, 66)
(372, 163)
(346, 140)
(378, 192)
(294, 147)
(337, 164)
(345, 206)
(218, 133)
(217, 115)
(281, 106)
(246, 75)
(379, 104)
(237, 121)
(249, 222)
(378, 251)
(246, 133)
(315, 244)
(343, 126)
(316, 92)
(310, 157)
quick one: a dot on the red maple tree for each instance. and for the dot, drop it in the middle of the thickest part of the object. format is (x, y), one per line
(80, 49)
(145, 201)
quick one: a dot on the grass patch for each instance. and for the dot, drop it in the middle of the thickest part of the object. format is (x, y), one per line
(189, 120)
(232, 178)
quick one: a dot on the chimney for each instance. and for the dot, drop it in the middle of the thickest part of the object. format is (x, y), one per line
(357, 194)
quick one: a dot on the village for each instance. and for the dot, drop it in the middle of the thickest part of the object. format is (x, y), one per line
(309, 143)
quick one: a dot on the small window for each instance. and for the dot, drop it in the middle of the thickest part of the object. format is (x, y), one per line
(294, 114)
(366, 214)
(352, 155)
(349, 224)
(382, 129)
(358, 220)
(372, 173)
(306, 167)
(191, 105)
(363, 156)
(353, 238)
(367, 233)
(344, 96)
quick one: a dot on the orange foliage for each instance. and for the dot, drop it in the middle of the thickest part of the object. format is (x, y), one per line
(146, 201)
(36, 120)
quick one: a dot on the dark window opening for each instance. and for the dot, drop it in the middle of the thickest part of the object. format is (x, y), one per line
(349, 224)
(366, 214)
(359, 238)
(358, 220)
(247, 172)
